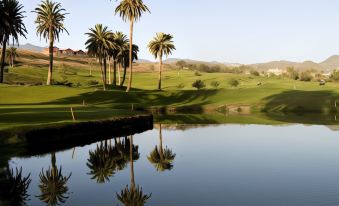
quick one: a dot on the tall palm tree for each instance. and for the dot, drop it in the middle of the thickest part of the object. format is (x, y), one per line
(11, 54)
(131, 10)
(53, 185)
(50, 23)
(161, 44)
(133, 195)
(11, 26)
(121, 40)
(99, 44)
(162, 159)
(125, 59)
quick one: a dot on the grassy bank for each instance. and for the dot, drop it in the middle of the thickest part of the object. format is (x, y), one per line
(26, 104)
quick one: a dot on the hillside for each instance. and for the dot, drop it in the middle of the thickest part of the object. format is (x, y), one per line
(30, 47)
(30, 55)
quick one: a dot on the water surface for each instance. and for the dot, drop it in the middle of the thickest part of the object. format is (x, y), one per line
(198, 165)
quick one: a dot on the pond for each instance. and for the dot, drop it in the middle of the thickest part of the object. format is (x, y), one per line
(190, 165)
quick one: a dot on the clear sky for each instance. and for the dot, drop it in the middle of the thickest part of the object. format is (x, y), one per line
(238, 31)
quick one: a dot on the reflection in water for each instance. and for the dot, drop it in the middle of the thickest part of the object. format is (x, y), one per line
(101, 162)
(107, 159)
(162, 159)
(13, 187)
(133, 195)
(53, 185)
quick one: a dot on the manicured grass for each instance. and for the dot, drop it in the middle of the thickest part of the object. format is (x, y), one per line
(40, 104)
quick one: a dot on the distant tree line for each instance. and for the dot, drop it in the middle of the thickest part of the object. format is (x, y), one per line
(214, 68)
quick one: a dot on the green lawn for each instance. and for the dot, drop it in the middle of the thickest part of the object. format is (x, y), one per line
(37, 104)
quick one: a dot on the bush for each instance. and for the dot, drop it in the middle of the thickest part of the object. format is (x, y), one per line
(292, 73)
(63, 83)
(198, 84)
(254, 72)
(215, 84)
(93, 83)
(197, 73)
(234, 83)
(181, 64)
(335, 76)
(305, 76)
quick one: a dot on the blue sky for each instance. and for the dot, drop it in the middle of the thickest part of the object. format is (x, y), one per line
(242, 31)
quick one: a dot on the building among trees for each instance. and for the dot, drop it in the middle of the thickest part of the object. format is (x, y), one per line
(65, 52)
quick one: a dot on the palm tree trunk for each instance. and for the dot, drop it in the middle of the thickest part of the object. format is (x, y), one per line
(13, 62)
(109, 71)
(102, 75)
(160, 146)
(53, 162)
(119, 77)
(105, 70)
(124, 76)
(130, 57)
(131, 162)
(50, 70)
(115, 72)
(160, 70)
(3, 59)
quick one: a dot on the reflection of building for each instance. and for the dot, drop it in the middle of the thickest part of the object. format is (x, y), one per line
(65, 52)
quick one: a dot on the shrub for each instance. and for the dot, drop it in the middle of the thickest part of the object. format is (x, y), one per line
(93, 83)
(197, 73)
(63, 83)
(234, 83)
(198, 84)
(335, 76)
(215, 84)
(305, 76)
(181, 64)
(254, 72)
(292, 73)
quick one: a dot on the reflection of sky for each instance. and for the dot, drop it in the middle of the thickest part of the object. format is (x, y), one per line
(223, 165)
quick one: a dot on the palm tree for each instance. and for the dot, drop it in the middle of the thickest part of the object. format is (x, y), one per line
(131, 10)
(53, 185)
(99, 44)
(125, 59)
(11, 26)
(13, 187)
(121, 41)
(50, 23)
(162, 159)
(162, 44)
(11, 54)
(133, 195)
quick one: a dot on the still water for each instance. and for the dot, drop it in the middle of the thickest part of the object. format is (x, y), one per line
(193, 165)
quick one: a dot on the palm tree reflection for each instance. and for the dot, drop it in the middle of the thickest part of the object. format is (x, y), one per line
(107, 159)
(53, 185)
(13, 187)
(100, 162)
(132, 195)
(162, 159)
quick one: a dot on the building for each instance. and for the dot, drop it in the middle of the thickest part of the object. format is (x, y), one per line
(55, 51)
(275, 71)
(65, 52)
(80, 53)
